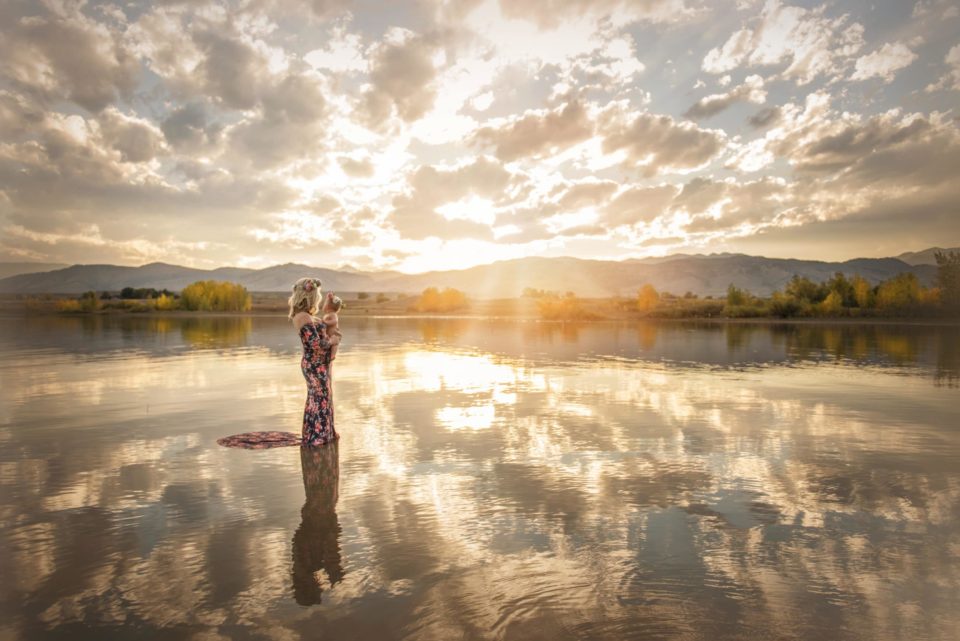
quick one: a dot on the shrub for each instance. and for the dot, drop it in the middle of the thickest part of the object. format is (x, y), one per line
(166, 303)
(68, 305)
(89, 301)
(382, 298)
(785, 306)
(568, 307)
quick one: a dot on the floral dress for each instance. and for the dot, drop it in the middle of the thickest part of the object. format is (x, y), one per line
(315, 365)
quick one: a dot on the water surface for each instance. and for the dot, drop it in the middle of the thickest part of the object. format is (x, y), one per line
(494, 480)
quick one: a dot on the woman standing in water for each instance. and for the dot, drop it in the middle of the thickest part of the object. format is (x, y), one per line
(304, 304)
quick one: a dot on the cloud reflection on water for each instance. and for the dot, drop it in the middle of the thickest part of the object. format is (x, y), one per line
(506, 481)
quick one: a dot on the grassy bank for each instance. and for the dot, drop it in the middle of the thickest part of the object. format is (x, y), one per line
(568, 310)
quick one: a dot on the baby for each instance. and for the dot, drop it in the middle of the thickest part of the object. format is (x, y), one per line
(331, 305)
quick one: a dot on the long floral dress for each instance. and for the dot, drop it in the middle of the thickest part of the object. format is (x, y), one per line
(315, 365)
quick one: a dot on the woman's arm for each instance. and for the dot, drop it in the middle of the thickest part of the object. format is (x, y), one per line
(326, 341)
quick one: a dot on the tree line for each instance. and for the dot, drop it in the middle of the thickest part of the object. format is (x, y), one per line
(839, 295)
(204, 295)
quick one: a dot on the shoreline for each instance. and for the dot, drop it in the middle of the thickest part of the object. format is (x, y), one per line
(393, 315)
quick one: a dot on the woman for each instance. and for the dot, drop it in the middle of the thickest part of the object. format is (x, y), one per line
(304, 304)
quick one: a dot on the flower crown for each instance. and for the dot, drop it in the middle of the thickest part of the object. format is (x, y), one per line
(309, 284)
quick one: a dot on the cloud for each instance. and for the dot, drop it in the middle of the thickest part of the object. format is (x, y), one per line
(356, 168)
(537, 132)
(764, 117)
(402, 74)
(415, 215)
(699, 194)
(344, 53)
(191, 127)
(750, 91)
(548, 14)
(232, 69)
(884, 63)
(137, 139)
(288, 126)
(18, 116)
(951, 79)
(157, 122)
(810, 43)
(658, 143)
(638, 204)
(738, 207)
(586, 194)
(55, 52)
(886, 147)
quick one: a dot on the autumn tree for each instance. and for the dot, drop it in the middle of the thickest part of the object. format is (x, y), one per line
(647, 298)
(862, 292)
(448, 300)
(215, 296)
(899, 293)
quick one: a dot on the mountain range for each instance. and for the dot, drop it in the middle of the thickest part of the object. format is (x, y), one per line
(679, 273)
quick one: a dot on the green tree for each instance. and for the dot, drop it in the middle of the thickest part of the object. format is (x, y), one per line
(948, 278)
(784, 305)
(804, 289)
(736, 296)
(843, 288)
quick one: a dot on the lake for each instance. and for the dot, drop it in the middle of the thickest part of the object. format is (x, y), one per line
(494, 480)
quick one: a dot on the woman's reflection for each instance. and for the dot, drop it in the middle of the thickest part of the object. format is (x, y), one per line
(316, 543)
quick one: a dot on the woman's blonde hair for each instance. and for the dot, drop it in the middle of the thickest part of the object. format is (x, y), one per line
(305, 297)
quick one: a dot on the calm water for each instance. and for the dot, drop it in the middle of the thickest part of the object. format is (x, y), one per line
(494, 480)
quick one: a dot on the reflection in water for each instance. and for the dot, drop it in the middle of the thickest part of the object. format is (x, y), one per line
(219, 332)
(316, 544)
(502, 480)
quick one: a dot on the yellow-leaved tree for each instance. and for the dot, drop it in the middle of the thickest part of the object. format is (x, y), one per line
(448, 300)
(215, 296)
(647, 298)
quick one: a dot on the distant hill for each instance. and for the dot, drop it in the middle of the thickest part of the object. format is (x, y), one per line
(13, 269)
(925, 257)
(700, 274)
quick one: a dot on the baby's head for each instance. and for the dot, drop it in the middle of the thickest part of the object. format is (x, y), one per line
(305, 297)
(332, 304)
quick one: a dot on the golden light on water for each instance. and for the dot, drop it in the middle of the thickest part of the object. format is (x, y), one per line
(498, 474)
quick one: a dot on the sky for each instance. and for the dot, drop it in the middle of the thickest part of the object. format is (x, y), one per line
(437, 134)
